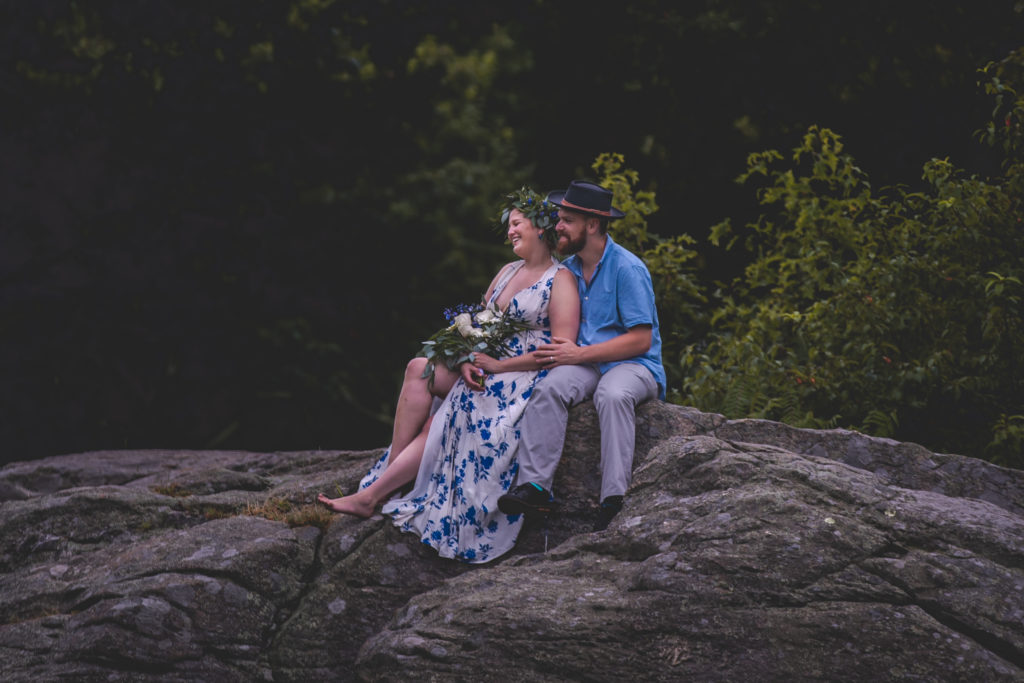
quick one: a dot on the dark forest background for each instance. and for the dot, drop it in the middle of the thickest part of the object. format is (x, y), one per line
(229, 224)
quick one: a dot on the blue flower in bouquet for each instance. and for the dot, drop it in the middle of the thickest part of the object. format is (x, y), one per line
(450, 314)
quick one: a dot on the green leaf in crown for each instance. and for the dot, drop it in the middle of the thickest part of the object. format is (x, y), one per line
(542, 213)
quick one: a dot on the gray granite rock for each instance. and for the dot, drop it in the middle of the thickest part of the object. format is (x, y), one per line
(747, 550)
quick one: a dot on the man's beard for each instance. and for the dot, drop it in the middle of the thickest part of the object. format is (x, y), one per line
(571, 246)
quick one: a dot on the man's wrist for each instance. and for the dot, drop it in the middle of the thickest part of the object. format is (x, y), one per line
(583, 355)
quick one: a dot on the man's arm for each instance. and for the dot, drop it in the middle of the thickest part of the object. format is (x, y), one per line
(634, 342)
(630, 344)
(635, 296)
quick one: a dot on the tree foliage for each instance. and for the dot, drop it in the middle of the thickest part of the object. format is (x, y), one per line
(229, 224)
(251, 205)
(892, 311)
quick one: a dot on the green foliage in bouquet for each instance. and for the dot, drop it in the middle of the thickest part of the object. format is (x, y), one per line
(471, 329)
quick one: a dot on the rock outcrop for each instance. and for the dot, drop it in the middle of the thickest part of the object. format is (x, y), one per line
(747, 550)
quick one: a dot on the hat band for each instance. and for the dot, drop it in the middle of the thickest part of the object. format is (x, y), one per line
(569, 205)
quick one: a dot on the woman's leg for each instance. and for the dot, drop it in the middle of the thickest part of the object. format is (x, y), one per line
(414, 402)
(400, 471)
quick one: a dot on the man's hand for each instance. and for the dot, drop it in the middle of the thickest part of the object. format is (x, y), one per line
(473, 376)
(560, 351)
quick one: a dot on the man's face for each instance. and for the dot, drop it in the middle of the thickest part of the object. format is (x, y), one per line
(572, 232)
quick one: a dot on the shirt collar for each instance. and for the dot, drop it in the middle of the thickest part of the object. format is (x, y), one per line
(574, 263)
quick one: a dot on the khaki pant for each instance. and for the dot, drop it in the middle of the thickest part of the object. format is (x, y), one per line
(616, 395)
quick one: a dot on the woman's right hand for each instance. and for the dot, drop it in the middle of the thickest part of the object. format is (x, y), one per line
(473, 376)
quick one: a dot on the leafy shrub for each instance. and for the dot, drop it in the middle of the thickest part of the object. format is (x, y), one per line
(895, 312)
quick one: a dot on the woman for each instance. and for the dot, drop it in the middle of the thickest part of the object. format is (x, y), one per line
(464, 460)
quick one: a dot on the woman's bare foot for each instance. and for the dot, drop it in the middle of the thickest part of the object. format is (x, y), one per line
(350, 505)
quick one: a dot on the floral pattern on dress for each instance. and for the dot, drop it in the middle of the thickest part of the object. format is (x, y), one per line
(469, 459)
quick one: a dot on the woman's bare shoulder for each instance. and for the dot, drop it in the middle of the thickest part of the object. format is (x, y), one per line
(565, 275)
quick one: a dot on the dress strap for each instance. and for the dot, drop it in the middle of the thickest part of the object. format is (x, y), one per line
(499, 286)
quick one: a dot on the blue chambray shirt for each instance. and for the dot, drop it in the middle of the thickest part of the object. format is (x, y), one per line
(620, 296)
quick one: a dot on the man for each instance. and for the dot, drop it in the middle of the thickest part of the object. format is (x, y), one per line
(616, 358)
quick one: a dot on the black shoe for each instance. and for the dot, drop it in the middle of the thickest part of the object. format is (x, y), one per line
(529, 499)
(610, 507)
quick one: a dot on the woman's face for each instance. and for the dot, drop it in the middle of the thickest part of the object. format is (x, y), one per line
(523, 235)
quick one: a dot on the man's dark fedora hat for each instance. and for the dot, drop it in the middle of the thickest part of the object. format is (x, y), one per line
(586, 197)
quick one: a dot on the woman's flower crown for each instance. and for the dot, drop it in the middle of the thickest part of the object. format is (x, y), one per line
(542, 213)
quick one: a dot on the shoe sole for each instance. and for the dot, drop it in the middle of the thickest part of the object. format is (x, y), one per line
(514, 506)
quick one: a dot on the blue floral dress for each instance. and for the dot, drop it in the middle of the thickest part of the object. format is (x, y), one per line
(470, 455)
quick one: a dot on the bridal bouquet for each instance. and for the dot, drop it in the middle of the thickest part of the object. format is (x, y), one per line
(472, 329)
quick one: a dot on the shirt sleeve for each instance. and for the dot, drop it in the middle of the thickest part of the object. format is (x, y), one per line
(635, 297)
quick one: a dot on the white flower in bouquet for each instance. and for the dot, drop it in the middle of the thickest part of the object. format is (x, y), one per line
(488, 315)
(464, 324)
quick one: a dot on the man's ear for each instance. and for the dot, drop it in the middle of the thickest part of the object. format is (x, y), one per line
(593, 224)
